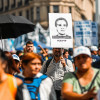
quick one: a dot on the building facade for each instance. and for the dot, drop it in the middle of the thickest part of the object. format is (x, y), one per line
(37, 10)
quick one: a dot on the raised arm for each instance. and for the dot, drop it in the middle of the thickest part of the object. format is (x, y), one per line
(44, 52)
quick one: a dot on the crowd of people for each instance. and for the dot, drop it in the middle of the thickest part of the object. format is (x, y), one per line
(66, 74)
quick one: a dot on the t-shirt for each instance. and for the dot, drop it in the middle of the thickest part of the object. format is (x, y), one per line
(71, 79)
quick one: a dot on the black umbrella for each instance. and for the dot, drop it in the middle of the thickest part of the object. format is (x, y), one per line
(14, 26)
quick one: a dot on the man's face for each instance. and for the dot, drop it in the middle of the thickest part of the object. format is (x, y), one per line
(29, 47)
(61, 27)
(57, 52)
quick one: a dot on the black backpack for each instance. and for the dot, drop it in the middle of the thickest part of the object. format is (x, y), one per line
(47, 64)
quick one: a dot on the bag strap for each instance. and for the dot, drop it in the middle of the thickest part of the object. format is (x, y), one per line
(47, 64)
(93, 80)
(37, 91)
(82, 91)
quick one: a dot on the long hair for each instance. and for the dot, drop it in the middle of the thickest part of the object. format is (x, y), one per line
(10, 63)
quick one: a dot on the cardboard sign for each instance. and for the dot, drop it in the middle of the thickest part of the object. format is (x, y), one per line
(60, 25)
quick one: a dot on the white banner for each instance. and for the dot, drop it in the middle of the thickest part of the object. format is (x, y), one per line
(94, 33)
(86, 33)
(60, 25)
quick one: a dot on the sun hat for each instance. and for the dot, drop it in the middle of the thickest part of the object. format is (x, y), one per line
(81, 50)
(15, 57)
(94, 48)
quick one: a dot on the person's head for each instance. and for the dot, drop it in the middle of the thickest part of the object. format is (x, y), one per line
(61, 25)
(31, 64)
(46, 49)
(29, 46)
(82, 58)
(19, 53)
(17, 60)
(70, 51)
(94, 50)
(65, 54)
(57, 52)
(3, 62)
(11, 67)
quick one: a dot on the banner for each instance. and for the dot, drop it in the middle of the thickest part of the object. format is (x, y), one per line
(85, 33)
(94, 34)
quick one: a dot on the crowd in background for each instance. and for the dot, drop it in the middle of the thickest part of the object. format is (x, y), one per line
(65, 74)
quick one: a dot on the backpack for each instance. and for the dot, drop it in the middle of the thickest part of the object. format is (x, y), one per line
(34, 87)
(47, 64)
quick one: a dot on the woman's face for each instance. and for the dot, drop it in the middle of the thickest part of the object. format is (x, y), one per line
(32, 68)
(66, 55)
(83, 62)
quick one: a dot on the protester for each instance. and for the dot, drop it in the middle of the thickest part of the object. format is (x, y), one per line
(56, 68)
(40, 86)
(84, 83)
(11, 88)
(44, 53)
(29, 46)
(94, 52)
(17, 60)
(68, 62)
(70, 50)
(19, 53)
(11, 66)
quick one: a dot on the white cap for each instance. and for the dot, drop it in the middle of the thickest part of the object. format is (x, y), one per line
(81, 50)
(94, 48)
(15, 57)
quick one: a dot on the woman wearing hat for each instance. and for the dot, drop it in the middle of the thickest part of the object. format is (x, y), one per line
(84, 83)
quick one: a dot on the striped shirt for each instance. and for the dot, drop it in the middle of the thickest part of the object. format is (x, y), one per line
(56, 72)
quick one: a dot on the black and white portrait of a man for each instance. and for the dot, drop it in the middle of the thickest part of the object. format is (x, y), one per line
(61, 26)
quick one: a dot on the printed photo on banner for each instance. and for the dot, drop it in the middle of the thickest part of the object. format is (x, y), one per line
(60, 25)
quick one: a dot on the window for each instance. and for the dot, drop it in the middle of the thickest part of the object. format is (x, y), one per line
(20, 13)
(7, 6)
(32, 14)
(27, 14)
(26, 2)
(20, 3)
(70, 9)
(83, 17)
(38, 13)
(1, 5)
(13, 5)
(56, 9)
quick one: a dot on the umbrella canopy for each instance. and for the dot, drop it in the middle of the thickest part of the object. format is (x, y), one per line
(14, 26)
